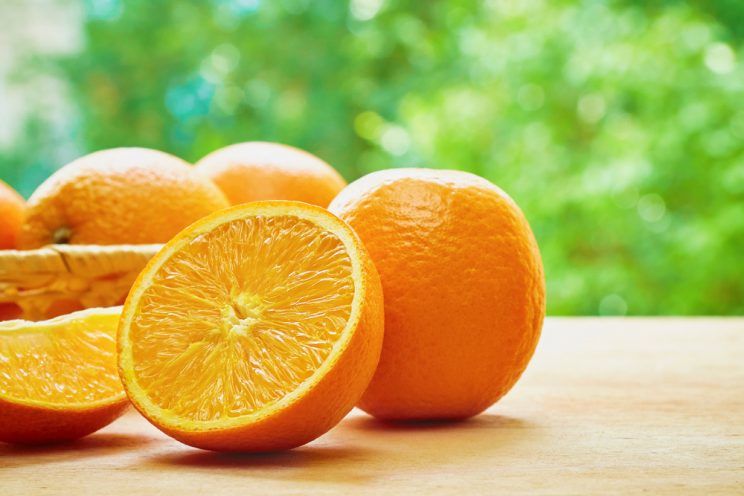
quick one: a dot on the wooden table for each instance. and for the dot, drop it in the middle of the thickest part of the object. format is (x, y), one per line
(620, 406)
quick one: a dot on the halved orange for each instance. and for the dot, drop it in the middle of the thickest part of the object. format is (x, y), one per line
(255, 329)
(58, 377)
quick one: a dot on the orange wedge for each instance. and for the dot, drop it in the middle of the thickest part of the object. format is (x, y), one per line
(58, 378)
(255, 329)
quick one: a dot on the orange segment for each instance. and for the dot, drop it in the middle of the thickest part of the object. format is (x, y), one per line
(58, 377)
(242, 317)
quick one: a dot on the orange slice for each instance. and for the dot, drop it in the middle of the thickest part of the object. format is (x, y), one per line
(58, 377)
(255, 329)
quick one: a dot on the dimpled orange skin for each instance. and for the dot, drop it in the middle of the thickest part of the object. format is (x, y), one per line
(464, 290)
(11, 216)
(257, 170)
(118, 196)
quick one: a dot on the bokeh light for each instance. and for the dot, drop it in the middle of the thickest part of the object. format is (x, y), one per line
(618, 127)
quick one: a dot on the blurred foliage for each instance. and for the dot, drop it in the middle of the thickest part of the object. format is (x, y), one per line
(617, 126)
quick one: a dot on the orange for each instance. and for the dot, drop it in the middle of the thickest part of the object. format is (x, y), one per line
(464, 290)
(58, 378)
(270, 171)
(255, 329)
(11, 216)
(118, 196)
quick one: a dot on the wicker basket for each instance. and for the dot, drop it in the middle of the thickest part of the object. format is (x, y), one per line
(41, 281)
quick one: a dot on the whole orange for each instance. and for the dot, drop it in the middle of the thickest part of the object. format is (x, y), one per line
(11, 216)
(118, 196)
(256, 170)
(463, 285)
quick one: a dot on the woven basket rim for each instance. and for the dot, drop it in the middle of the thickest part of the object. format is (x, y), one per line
(84, 260)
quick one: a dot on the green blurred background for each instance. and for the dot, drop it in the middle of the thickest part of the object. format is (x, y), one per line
(617, 126)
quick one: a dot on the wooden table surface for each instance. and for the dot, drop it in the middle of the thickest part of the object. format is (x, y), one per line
(607, 406)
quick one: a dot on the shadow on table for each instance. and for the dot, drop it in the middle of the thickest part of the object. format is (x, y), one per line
(484, 421)
(308, 463)
(306, 456)
(95, 445)
(362, 449)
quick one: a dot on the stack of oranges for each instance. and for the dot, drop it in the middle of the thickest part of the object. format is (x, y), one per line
(281, 299)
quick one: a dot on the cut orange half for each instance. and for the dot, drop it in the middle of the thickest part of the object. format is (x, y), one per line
(255, 329)
(58, 377)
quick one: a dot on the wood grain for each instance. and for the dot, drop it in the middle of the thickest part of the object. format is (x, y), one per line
(607, 406)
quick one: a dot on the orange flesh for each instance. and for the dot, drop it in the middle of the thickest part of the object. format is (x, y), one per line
(241, 316)
(65, 361)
